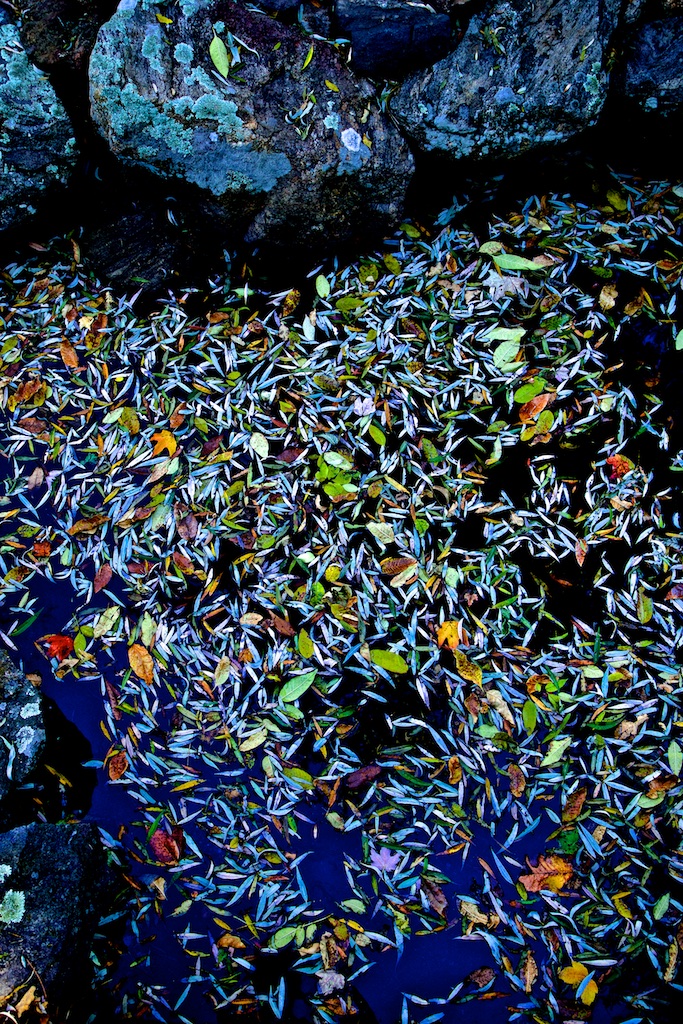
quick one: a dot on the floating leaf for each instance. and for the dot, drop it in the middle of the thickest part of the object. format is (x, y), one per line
(117, 766)
(505, 354)
(390, 660)
(549, 873)
(322, 285)
(85, 527)
(675, 757)
(102, 577)
(141, 662)
(556, 751)
(297, 685)
(259, 444)
(448, 634)
(164, 441)
(644, 607)
(469, 670)
(384, 532)
(508, 261)
(574, 804)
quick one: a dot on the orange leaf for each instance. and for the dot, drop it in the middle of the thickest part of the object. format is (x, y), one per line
(69, 355)
(447, 634)
(550, 873)
(228, 941)
(580, 551)
(102, 577)
(58, 646)
(87, 526)
(164, 441)
(530, 410)
(42, 549)
(619, 466)
(517, 779)
(575, 801)
(117, 766)
(141, 662)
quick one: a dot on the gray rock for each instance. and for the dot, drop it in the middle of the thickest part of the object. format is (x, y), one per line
(288, 148)
(22, 736)
(54, 887)
(391, 37)
(37, 148)
(653, 72)
(525, 75)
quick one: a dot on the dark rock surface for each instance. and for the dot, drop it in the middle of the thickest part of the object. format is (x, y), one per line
(22, 735)
(528, 74)
(54, 888)
(288, 147)
(58, 32)
(392, 37)
(36, 136)
(653, 74)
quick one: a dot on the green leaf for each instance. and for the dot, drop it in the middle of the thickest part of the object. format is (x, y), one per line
(661, 906)
(430, 451)
(254, 740)
(644, 607)
(390, 660)
(679, 341)
(491, 248)
(322, 286)
(384, 532)
(505, 354)
(508, 261)
(528, 391)
(556, 751)
(392, 264)
(651, 801)
(377, 435)
(297, 685)
(283, 936)
(305, 644)
(675, 758)
(506, 334)
(353, 905)
(336, 821)
(410, 230)
(129, 420)
(259, 444)
(218, 52)
(309, 57)
(337, 460)
(348, 303)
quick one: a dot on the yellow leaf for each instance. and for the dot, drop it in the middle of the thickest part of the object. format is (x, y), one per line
(141, 662)
(549, 873)
(575, 974)
(469, 671)
(163, 20)
(447, 634)
(589, 993)
(164, 441)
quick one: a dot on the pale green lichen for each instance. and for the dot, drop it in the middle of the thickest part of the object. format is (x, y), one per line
(13, 907)
(5, 871)
(183, 53)
(153, 48)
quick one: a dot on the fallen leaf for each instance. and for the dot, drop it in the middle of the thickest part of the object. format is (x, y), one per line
(69, 355)
(87, 526)
(619, 466)
(467, 669)
(117, 766)
(447, 634)
(167, 847)
(188, 526)
(580, 551)
(36, 478)
(102, 577)
(26, 1001)
(549, 873)
(394, 566)
(517, 779)
(362, 775)
(42, 549)
(435, 896)
(531, 409)
(229, 941)
(528, 970)
(164, 441)
(481, 977)
(454, 770)
(32, 424)
(141, 662)
(58, 646)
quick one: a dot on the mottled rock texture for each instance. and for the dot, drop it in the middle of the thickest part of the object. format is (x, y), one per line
(652, 78)
(22, 736)
(286, 145)
(526, 74)
(61, 32)
(392, 37)
(36, 137)
(54, 887)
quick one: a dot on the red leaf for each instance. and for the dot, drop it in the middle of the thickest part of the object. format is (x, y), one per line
(42, 549)
(289, 454)
(58, 646)
(167, 848)
(102, 577)
(619, 466)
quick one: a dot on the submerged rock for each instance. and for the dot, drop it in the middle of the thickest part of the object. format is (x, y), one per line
(525, 75)
(277, 137)
(54, 887)
(36, 137)
(22, 736)
(653, 74)
(392, 37)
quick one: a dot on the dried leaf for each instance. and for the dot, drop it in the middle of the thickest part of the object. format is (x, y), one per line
(549, 873)
(435, 896)
(447, 634)
(574, 804)
(531, 409)
(528, 970)
(517, 780)
(362, 775)
(142, 663)
(58, 646)
(117, 766)
(86, 527)
(164, 441)
(102, 577)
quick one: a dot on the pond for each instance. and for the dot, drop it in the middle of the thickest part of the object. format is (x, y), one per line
(366, 598)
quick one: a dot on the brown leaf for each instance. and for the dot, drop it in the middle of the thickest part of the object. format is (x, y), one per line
(531, 409)
(183, 562)
(283, 626)
(177, 417)
(676, 593)
(329, 950)
(210, 446)
(69, 355)
(435, 896)
(87, 526)
(662, 784)
(26, 1001)
(580, 551)
(292, 300)
(113, 696)
(42, 549)
(117, 766)
(188, 527)
(619, 466)
(393, 566)
(608, 297)
(481, 977)
(36, 478)
(549, 873)
(574, 805)
(517, 779)
(102, 577)
(141, 662)
(32, 424)
(528, 970)
(362, 775)
(290, 454)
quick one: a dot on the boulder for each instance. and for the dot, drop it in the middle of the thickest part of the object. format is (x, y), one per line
(273, 134)
(525, 75)
(37, 148)
(60, 32)
(392, 37)
(22, 735)
(652, 78)
(54, 888)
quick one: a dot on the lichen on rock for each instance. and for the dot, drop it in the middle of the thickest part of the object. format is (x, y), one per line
(22, 736)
